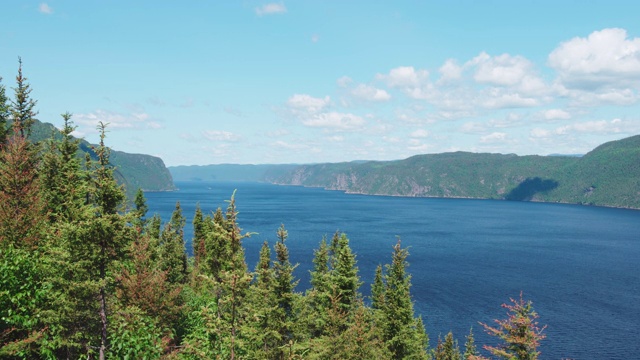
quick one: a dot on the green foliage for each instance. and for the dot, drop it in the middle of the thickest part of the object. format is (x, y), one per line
(5, 114)
(447, 350)
(172, 256)
(22, 296)
(22, 107)
(134, 335)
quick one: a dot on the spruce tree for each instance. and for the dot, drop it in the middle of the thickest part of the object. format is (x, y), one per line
(520, 332)
(5, 114)
(198, 236)
(344, 275)
(22, 107)
(404, 335)
(172, 249)
(377, 289)
(470, 350)
(284, 287)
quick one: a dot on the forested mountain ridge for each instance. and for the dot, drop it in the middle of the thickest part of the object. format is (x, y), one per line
(607, 176)
(134, 171)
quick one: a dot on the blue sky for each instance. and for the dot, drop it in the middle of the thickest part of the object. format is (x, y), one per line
(208, 82)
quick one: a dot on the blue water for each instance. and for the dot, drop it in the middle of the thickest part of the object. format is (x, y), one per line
(579, 265)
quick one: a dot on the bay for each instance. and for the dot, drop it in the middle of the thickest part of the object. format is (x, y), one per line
(579, 265)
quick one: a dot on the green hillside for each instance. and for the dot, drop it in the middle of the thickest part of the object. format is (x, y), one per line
(607, 176)
(133, 170)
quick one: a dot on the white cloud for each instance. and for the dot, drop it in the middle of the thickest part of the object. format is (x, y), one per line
(315, 38)
(335, 120)
(370, 93)
(220, 135)
(555, 114)
(606, 58)
(344, 81)
(497, 99)
(308, 103)
(88, 122)
(420, 133)
(450, 70)
(45, 8)
(271, 8)
(404, 77)
(288, 146)
(496, 137)
(593, 127)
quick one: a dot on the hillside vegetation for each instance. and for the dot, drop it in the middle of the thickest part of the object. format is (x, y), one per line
(135, 171)
(607, 176)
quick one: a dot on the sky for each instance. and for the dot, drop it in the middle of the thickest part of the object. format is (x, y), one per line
(256, 82)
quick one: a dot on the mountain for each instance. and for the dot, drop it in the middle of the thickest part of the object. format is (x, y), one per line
(607, 176)
(133, 170)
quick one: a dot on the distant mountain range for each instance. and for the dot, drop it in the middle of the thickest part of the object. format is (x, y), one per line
(607, 176)
(135, 171)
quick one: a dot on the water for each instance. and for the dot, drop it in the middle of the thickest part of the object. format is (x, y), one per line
(579, 265)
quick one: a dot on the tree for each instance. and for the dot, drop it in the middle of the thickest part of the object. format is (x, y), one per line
(172, 254)
(22, 107)
(377, 289)
(198, 236)
(5, 114)
(141, 208)
(64, 186)
(21, 207)
(447, 350)
(344, 275)
(470, 350)
(404, 335)
(284, 286)
(519, 332)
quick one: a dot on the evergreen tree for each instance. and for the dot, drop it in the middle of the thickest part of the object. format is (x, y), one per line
(5, 114)
(198, 236)
(262, 330)
(447, 350)
(377, 289)
(284, 287)
(22, 108)
(172, 254)
(519, 332)
(344, 275)
(404, 335)
(470, 350)
(141, 208)
(63, 183)
(21, 207)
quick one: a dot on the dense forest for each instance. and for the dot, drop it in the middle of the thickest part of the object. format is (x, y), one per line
(85, 275)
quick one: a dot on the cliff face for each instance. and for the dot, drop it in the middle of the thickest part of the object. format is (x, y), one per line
(607, 176)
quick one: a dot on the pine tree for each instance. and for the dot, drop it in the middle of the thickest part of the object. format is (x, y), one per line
(519, 332)
(172, 254)
(21, 207)
(470, 350)
(404, 334)
(63, 182)
(263, 337)
(22, 108)
(198, 236)
(5, 114)
(377, 289)
(141, 208)
(284, 287)
(344, 275)
(447, 350)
